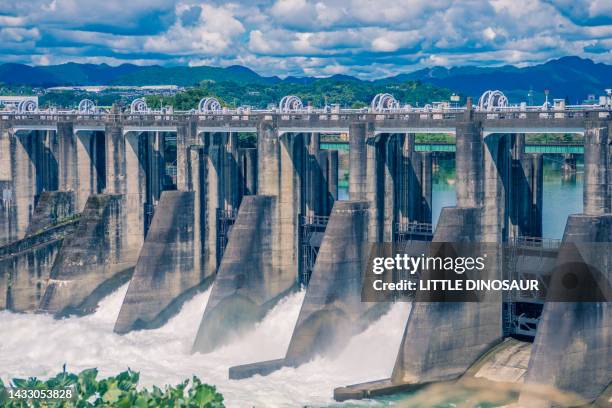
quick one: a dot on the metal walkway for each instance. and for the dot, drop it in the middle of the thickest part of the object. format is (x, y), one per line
(550, 148)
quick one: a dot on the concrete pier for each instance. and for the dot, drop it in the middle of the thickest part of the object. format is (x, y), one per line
(115, 159)
(332, 311)
(526, 189)
(90, 155)
(8, 230)
(533, 168)
(358, 135)
(248, 171)
(573, 348)
(25, 265)
(293, 179)
(596, 161)
(331, 176)
(319, 178)
(33, 167)
(92, 262)
(375, 186)
(182, 249)
(313, 176)
(495, 178)
(394, 179)
(249, 280)
(279, 162)
(415, 183)
(469, 163)
(168, 270)
(231, 175)
(441, 339)
(135, 187)
(432, 348)
(53, 207)
(184, 138)
(68, 174)
(210, 174)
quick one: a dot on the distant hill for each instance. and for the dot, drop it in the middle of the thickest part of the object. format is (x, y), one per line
(126, 74)
(568, 77)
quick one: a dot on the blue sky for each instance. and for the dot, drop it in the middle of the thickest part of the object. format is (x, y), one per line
(364, 38)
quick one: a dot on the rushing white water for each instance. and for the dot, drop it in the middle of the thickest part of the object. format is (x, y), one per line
(37, 345)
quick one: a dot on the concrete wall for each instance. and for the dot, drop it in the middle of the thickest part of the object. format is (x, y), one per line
(249, 280)
(7, 213)
(394, 179)
(32, 164)
(8, 230)
(135, 187)
(181, 251)
(597, 189)
(247, 159)
(469, 162)
(230, 171)
(205, 175)
(25, 266)
(414, 187)
(167, 271)
(90, 169)
(260, 264)
(68, 177)
(52, 207)
(526, 188)
(187, 135)
(495, 177)
(92, 262)
(358, 134)
(332, 311)
(443, 339)
(115, 159)
(375, 186)
(573, 347)
(279, 163)
(319, 178)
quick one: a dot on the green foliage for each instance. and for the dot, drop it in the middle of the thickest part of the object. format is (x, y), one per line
(120, 391)
(318, 93)
(71, 99)
(424, 138)
(258, 95)
(247, 139)
(552, 137)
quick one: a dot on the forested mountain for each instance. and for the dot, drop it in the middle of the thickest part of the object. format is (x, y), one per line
(569, 77)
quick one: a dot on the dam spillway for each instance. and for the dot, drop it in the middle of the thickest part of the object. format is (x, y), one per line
(250, 223)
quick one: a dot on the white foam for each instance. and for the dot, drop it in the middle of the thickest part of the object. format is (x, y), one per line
(38, 345)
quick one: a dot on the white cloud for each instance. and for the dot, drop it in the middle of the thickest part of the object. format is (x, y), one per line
(366, 38)
(214, 33)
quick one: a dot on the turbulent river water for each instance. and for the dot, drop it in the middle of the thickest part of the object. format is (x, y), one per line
(38, 345)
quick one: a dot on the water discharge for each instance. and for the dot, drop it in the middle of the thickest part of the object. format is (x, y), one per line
(38, 345)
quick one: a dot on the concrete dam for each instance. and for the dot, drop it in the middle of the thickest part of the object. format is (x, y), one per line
(176, 203)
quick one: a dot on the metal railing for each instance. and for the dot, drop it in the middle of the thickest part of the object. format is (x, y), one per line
(536, 242)
(412, 231)
(321, 114)
(225, 222)
(309, 226)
